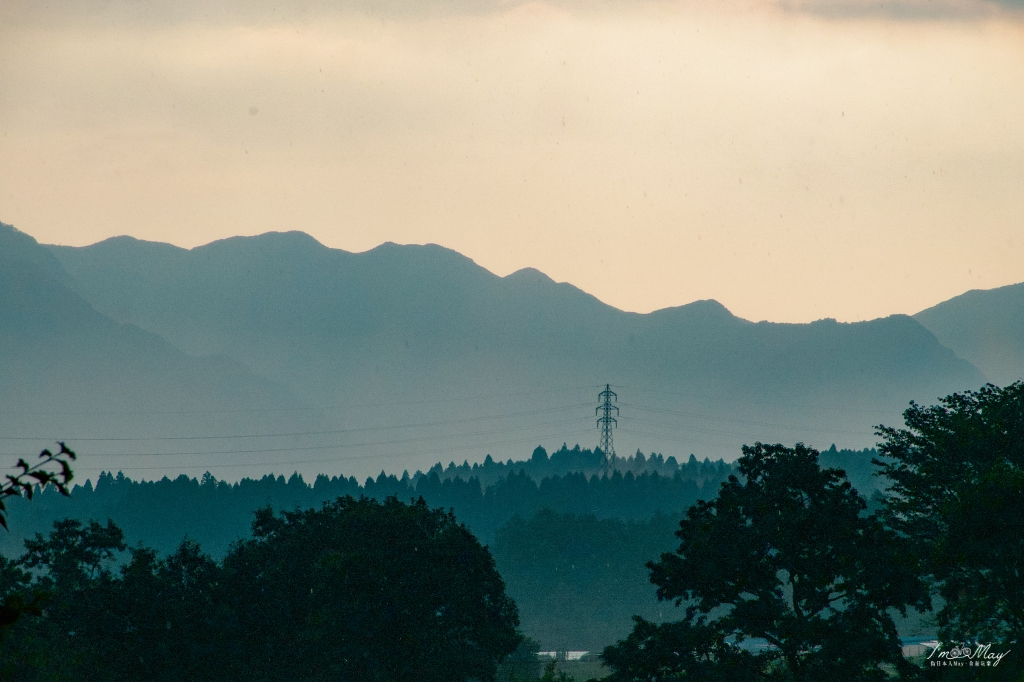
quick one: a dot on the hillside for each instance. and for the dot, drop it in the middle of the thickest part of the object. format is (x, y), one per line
(985, 327)
(67, 371)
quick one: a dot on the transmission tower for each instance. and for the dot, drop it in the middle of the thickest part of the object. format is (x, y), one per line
(606, 422)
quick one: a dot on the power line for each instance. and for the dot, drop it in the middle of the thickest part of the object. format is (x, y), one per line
(689, 442)
(529, 439)
(773, 401)
(302, 433)
(318, 447)
(675, 434)
(740, 421)
(320, 408)
(606, 423)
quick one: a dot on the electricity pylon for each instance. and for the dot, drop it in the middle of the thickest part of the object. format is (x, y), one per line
(606, 422)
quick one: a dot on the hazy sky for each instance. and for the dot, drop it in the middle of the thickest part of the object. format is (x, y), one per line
(792, 160)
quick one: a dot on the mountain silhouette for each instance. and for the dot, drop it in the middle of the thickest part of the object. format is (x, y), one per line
(402, 335)
(67, 370)
(985, 327)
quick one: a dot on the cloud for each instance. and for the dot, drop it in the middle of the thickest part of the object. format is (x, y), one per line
(257, 12)
(909, 10)
(225, 12)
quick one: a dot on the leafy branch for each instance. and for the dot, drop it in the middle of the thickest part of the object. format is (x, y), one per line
(52, 469)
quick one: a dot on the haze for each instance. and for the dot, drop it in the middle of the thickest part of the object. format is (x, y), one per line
(793, 161)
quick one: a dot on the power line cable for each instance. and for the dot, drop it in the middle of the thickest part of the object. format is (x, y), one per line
(317, 447)
(304, 433)
(639, 433)
(738, 421)
(322, 408)
(289, 463)
(705, 397)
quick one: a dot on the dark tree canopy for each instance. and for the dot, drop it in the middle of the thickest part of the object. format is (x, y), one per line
(357, 590)
(788, 556)
(957, 497)
(362, 590)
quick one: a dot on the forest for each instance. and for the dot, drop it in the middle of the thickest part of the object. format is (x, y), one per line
(570, 547)
(484, 496)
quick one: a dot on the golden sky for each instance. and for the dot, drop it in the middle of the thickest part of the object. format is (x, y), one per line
(793, 160)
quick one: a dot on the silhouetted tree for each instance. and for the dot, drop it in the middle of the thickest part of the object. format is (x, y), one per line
(690, 649)
(370, 591)
(787, 556)
(522, 665)
(957, 496)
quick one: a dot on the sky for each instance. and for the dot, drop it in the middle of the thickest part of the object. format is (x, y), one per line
(793, 160)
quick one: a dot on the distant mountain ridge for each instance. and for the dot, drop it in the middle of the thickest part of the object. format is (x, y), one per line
(985, 327)
(49, 332)
(68, 371)
(417, 329)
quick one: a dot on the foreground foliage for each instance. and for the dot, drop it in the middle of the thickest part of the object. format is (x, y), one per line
(786, 558)
(957, 498)
(52, 470)
(356, 590)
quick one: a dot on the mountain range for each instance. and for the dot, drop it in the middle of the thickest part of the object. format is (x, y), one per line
(276, 353)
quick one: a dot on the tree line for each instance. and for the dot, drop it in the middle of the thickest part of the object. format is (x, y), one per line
(216, 513)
